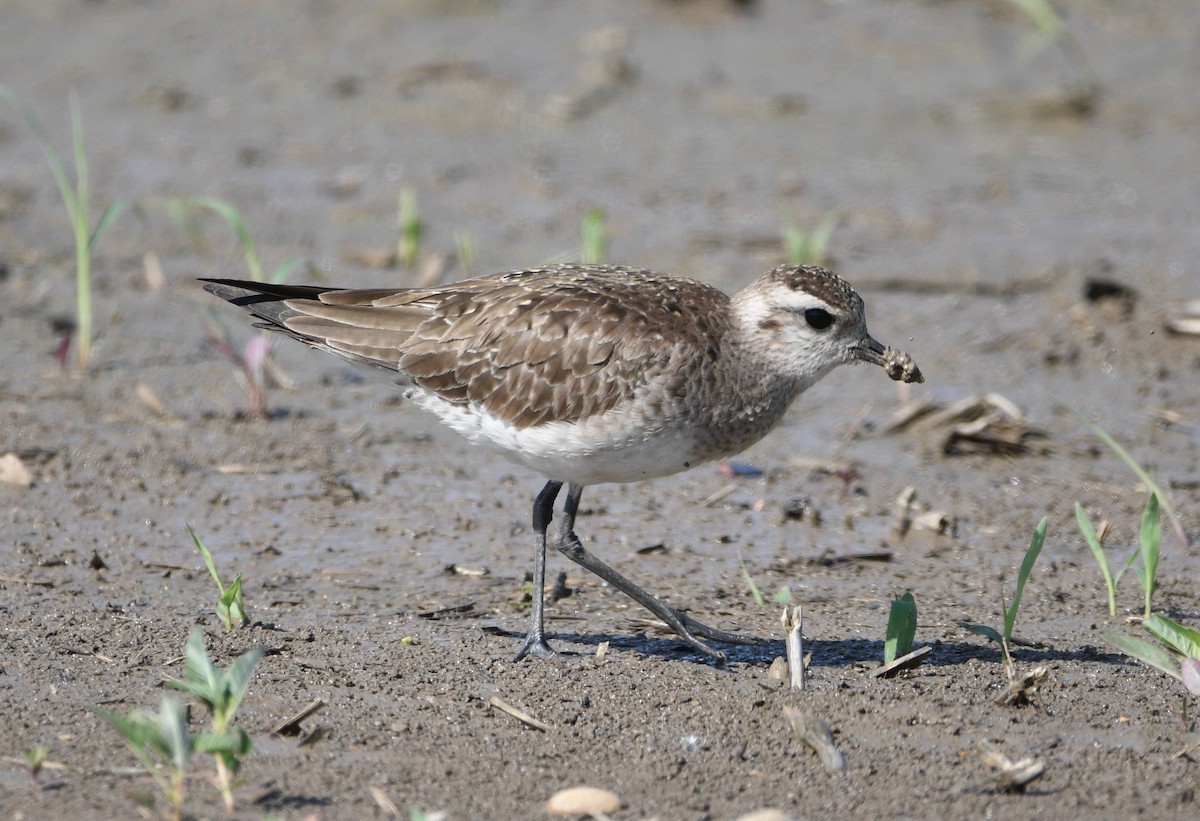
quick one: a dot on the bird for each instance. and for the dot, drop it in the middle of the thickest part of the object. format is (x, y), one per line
(591, 374)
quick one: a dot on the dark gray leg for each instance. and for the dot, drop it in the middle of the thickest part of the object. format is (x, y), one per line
(688, 628)
(543, 512)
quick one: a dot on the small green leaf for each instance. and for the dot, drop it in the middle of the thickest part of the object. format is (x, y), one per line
(230, 603)
(901, 628)
(1151, 540)
(235, 742)
(593, 236)
(1184, 640)
(759, 598)
(172, 728)
(237, 679)
(110, 214)
(782, 596)
(1142, 650)
(1035, 547)
(197, 667)
(1145, 477)
(284, 270)
(983, 630)
(208, 559)
(1093, 542)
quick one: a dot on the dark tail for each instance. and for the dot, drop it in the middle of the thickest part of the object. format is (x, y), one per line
(263, 299)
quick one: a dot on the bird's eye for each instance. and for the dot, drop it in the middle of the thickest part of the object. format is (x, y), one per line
(818, 318)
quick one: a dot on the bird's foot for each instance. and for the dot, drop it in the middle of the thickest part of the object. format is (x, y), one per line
(534, 645)
(688, 628)
(701, 629)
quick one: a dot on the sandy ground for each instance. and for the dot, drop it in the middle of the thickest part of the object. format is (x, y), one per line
(976, 207)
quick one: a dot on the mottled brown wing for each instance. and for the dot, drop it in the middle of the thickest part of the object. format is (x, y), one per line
(561, 343)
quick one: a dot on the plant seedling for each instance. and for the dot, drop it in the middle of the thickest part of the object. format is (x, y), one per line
(1052, 30)
(1009, 612)
(1140, 471)
(160, 739)
(1177, 654)
(229, 607)
(221, 693)
(803, 247)
(34, 759)
(782, 596)
(465, 245)
(901, 628)
(593, 231)
(1148, 551)
(250, 360)
(253, 359)
(1151, 542)
(408, 243)
(76, 199)
(181, 208)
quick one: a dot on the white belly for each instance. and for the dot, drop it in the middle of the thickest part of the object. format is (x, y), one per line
(611, 447)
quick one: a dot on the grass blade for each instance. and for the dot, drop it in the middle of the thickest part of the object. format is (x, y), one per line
(1151, 541)
(237, 680)
(982, 630)
(759, 598)
(1184, 639)
(901, 628)
(208, 559)
(197, 667)
(1142, 650)
(284, 270)
(53, 158)
(1035, 547)
(232, 216)
(1089, 535)
(172, 728)
(114, 210)
(1141, 473)
(594, 237)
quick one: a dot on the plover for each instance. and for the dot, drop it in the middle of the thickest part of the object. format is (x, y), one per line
(589, 374)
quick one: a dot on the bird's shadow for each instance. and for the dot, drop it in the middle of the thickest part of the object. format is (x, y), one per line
(825, 652)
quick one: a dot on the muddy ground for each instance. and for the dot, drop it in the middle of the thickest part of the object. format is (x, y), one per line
(977, 200)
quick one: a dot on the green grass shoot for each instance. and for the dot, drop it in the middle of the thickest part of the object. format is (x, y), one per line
(76, 199)
(803, 247)
(901, 628)
(222, 694)
(180, 209)
(593, 231)
(252, 358)
(1009, 613)
(1093, 542)
(782, 596)
(465, 248)
(1177, 654)
(1149, 550)
(34, 759)
(1051, 29)
(161, 739)
(230, 608)
(1163, 500)
(408, 243)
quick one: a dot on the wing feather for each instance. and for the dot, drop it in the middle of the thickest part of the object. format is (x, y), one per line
(556, 344)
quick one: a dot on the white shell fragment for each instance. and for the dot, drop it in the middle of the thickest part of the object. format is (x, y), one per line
(13, 471)
(583, 801)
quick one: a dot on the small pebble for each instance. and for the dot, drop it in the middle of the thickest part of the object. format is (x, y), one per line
(13, 471)
(583, 801)
(764, 815)
(778, 670)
